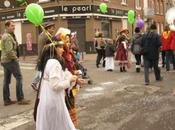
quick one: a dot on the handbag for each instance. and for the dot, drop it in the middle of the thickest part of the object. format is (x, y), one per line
(37, 99)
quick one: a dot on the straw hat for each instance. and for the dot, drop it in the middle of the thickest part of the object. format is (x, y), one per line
(48, 24)
(124, 30)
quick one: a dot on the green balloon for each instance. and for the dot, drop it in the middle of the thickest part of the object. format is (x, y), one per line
(20, 1)
(131, 20)
(103, 7)
(34, 13)
(131, 16)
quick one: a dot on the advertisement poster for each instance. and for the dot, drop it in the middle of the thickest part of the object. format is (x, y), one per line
(29, 41)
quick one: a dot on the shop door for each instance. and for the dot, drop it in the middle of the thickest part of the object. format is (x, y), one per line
(79, 27)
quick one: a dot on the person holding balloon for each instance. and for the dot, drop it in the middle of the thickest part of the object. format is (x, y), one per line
(42, 41)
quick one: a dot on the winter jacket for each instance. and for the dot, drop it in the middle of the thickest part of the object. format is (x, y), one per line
(151, 43)
(42, 41)
(9, 48)
(165, 41)
(110, 50)
(137, 39)
(171, 40)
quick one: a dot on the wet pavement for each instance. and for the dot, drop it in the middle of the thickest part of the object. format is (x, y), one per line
(115, 101)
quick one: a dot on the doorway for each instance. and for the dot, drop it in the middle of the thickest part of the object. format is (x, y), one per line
(78, 25)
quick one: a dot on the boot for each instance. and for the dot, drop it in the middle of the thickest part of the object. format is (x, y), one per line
(137, 70)
(124, 70)
(121, 69)
(104, 63)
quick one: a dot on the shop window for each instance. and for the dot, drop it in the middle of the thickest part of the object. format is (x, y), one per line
(106, 28)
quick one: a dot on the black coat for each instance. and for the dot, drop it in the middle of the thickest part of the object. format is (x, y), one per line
(109, 50)
(151, 43)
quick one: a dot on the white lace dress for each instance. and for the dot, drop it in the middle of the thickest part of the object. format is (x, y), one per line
(52, 113)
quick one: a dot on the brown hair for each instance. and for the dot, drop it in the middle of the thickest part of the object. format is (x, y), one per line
(7, 23)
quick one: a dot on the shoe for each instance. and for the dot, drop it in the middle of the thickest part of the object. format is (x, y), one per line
(160, 79)
(124, 70)
(110, 70)
(90, 82)
(6, 103)
(163, 65)
(23, 102)
(121, 70)
(34, 86)
(146, 83)
(137, 70)
(85, 77)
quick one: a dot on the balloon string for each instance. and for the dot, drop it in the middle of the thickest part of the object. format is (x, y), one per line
(49, 37)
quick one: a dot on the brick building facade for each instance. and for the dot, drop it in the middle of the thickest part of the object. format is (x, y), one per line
(82, 16)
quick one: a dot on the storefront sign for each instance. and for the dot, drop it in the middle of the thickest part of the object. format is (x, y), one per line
(72, 9)
(8, 16)
(51, 11)
(68, 9)
(75, 17)
(111, 11)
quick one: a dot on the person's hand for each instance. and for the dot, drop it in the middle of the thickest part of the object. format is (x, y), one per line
(73, 78)
(77, 72)
(80, 81)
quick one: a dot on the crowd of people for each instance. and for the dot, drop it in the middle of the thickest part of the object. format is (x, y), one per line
(146, 48)
(59, 74)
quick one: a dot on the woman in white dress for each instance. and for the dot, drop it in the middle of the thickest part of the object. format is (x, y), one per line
(52, 113)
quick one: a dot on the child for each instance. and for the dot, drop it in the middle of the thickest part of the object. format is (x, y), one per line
(121, 53)
(109, 52)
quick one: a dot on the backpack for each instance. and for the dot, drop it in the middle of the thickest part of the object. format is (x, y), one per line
(136, 46)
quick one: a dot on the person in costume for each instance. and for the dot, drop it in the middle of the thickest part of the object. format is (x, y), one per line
(70, 62)
(109, 53)
(52, 113)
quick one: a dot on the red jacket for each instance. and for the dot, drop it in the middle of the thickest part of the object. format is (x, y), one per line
(165, 41)
(172, 40)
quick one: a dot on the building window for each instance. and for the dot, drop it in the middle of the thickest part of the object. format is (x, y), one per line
(151, 4)
(138, 4)
(124, 2)
(161, 8)
(157, 7)
(158, 28)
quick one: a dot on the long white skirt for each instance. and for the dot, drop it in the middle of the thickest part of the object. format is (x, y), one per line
(109, 63)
